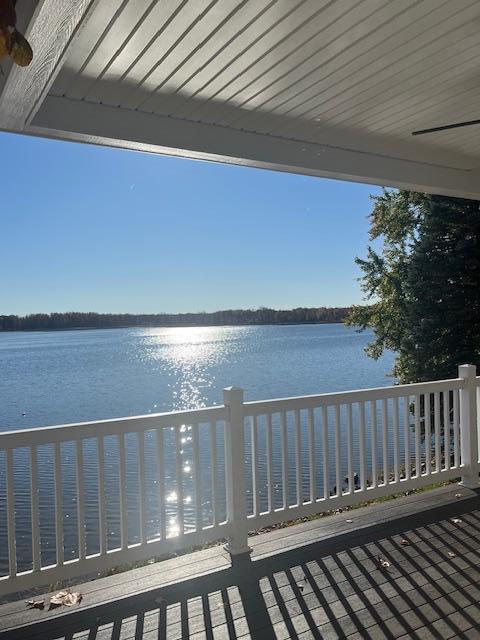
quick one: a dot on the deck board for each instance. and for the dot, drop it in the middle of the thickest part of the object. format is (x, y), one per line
(318, 579)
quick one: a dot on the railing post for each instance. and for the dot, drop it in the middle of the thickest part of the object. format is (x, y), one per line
(469, 426)
(235, 471)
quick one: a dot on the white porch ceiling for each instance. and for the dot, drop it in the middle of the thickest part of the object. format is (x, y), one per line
(321, 87)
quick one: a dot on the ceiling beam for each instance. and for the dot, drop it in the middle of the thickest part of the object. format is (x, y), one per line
(52, 28)
(99, 124)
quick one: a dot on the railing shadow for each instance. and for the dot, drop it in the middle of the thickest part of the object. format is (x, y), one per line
(328, 589)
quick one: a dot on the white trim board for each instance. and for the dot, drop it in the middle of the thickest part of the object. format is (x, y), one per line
(100, 124)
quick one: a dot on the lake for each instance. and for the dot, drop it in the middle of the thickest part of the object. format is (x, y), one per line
(51, 378)
(70, 376)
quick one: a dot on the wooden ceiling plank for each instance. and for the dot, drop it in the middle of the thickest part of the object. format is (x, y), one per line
(429, 39)
(348, 97)
(443, 59)
(189, 49)
(86, 43)
(301, 44)
(361, 23)
(109, 46)
(139, 80)
(272, 29)
(111, 86)
(213, 53)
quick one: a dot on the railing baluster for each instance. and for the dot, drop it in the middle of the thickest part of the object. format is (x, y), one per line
(141, 485)
(255, 478)
(338, 477)
(325, 453)
(214, 475)
(373, 410)
(284, 445)
(437, 421)
(418, 459)
(298, 459)
(386, 475)
(101, 496)
(351, 483)
(396, 445)
(179, 480)
(12, 552)
(456, 426)
(361, 437)
(161, 483)
(58, 506)
(312, 456)
(34, 509)
(269, 453)
(82, 547)
(406, 437)
(197, 477)
(428, 433)
(446, 428)
(122, 480)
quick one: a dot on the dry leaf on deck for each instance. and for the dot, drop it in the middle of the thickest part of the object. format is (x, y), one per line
(35, 604)
(57, 599)
(66, 598)
(404, 542)
(457, 520)
(383, 564)
(72, 598)
(451, 554)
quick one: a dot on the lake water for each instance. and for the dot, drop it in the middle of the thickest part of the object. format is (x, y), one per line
(70, 376)
(59, 377)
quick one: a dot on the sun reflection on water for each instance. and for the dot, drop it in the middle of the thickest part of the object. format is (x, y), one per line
(188, 357)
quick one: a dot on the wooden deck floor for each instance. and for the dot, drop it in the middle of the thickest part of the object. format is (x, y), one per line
(315, 580)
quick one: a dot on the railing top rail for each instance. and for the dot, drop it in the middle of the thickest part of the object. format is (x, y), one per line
(345, 397)
(112, 426)
(92, 429)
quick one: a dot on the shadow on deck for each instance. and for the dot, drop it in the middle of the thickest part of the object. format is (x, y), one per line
(315, 580)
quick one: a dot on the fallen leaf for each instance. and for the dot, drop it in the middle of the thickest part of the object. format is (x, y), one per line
(451, 554)
(349, 521)
(383, 564)
(72, 599)
(57, 599)
(457, 520)
(404, 542)
(458, 495)
(66, 598)
(35, 604)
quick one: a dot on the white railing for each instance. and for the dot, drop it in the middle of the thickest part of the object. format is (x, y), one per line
(79, 499)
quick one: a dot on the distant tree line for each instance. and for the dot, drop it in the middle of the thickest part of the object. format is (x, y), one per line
(79, 320)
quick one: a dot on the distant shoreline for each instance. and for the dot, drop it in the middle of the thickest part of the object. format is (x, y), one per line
(75, 321)
(174, 326)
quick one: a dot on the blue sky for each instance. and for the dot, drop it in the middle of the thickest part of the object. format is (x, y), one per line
(94, 229)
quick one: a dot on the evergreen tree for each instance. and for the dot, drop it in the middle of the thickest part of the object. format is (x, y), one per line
(424, 283)
(444, 289)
